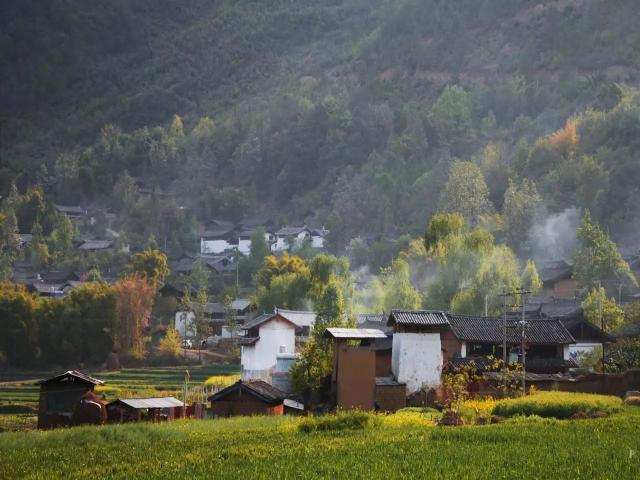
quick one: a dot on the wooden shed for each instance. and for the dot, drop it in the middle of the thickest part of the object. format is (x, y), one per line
(251, 397)
(59, 396)
(154, 409)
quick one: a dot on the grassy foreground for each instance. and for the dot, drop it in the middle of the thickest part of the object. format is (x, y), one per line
(274, 447)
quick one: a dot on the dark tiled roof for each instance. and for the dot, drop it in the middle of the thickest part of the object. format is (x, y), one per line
(257, 321)
(71, 374)
(554, 271)
(96, 245)
(491, 330)
(246, 341)
(560, 307)
(417, 317)
(259, 389)
(285, 231)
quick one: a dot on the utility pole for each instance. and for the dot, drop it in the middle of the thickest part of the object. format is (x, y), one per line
(601, 317)
(524, 294)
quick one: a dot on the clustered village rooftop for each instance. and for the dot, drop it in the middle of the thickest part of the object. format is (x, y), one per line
(385, 362)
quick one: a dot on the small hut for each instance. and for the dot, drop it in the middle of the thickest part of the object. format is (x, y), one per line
(60, 395)
(155, 409)
(251, 397)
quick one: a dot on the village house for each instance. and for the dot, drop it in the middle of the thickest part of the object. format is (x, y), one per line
(587, 335)
(215, 314)
(557, 279)
(59, 396)
(74, 212)
(248, 397)
(287, 238)
(271, 334)
(354, 382)
(416, 356)
(474, 338)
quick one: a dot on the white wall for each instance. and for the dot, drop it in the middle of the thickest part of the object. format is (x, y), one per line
(317, 241)
(416, 360)
(244, 246)
(182, 322)
(262, 355)
(213, 246)
(577, 348)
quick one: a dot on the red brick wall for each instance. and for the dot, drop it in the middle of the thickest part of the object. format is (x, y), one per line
(450, 343)
(565, 289)
(390, 398)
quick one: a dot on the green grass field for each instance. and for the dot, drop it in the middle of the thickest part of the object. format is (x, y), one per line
(274, 447)
(20, 389)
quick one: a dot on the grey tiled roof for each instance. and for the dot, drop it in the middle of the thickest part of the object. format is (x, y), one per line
(258, 388)
(418, 317)
(491, 330)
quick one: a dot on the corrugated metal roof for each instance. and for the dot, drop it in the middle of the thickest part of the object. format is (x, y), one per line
(354, 333)
(153, 402)
(418, 317)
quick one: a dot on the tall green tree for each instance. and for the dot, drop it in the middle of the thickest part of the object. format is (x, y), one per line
(466, 192)
(603, 311)
(521, 201)
(452, 118)
(151, 264)
(597, 257)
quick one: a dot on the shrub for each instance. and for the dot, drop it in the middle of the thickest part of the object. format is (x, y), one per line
(632, 401)
(557, 404)
(352, 420)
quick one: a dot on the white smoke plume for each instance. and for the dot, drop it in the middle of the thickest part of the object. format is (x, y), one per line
(553, 237)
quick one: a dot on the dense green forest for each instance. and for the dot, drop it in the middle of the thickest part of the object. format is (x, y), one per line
(367, 116)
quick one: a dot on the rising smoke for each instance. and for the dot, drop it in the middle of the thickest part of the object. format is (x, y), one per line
(553, 236)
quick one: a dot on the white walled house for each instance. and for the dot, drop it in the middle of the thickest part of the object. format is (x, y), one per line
(293, 235)
(244, 240)
(318, 237)
(416, 355)
(218, 241)
(268, 336)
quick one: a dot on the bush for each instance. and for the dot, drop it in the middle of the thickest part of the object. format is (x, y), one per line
(632, 401)
(352, 420)
(557, 404)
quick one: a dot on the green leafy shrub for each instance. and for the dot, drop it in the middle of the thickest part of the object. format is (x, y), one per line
(632, 401)
(352, 420)
(557, 404)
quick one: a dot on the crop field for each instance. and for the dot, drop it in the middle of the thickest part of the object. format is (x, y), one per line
(394, 446)
(18, 392)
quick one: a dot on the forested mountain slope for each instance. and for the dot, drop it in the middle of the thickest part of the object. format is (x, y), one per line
(349, 111)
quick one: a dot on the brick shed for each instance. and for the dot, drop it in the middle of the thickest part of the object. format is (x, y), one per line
(247, 397)
(354, 367)
(390, 395)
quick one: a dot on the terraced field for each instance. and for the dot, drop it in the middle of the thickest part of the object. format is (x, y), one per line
(19, 394)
